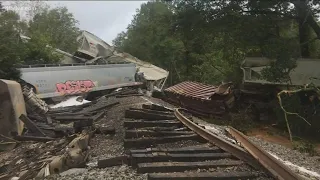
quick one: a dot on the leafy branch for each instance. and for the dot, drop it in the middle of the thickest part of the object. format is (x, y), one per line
(308, 87)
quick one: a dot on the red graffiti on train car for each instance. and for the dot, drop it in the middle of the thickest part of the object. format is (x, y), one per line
(72, 87)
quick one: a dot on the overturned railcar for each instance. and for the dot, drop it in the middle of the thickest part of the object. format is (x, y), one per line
(69, 79)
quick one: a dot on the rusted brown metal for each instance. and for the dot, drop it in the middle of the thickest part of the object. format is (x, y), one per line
(212, 138)
(274, 166)
(200, 98)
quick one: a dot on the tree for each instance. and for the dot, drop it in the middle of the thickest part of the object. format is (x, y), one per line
(119, 40)
(37, 51)
(10, 57)
(58, 26)
(30, 8)
(1, 8)
(43, 30)
(150, 37)
(215, 36)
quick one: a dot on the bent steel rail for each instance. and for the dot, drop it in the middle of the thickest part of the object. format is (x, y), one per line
(274, 166)
(221, 143)
(257, 156)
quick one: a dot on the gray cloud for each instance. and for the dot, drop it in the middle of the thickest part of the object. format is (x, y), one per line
(103, 18)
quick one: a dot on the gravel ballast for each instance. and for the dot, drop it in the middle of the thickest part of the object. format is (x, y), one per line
(113, 173)
(311, 163)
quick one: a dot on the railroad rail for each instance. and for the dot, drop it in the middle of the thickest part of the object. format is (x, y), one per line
(152, 134)
(274, 166)
(151, 126)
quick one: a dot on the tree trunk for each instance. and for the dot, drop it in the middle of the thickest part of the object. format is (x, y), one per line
(303, 37)
(305, 19)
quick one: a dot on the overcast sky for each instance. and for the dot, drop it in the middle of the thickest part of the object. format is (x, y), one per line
(103, 18)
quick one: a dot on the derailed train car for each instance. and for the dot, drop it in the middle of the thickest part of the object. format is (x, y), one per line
(67, 79)
(95, 66)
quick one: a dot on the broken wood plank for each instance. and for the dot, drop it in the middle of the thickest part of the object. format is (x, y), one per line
(143, 123)
(202, 176)
(103, 107)
(147, 133)
(190, 150)
(98, 116)
(31, 125)
(165, 157)
(33, 138)
(107, 130)
(128, 95)
(72, 114)
(155, 107)
(153, 111)
(173, 128)
(71, 118)
(79, 125)
(114, 161)
(146, 142)
(140, 114)
(183, 166)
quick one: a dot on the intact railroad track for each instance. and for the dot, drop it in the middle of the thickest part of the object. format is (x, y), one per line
(209, 157)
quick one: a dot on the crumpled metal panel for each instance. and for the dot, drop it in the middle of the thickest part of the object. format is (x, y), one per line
(193, 89)
(201, 98)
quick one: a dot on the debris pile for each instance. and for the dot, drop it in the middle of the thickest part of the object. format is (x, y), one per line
(58, 139)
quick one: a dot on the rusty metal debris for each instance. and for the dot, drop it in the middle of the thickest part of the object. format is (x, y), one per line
(200, 98)
(274, 166)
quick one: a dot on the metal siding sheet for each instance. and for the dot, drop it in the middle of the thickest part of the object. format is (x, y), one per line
(193, 89)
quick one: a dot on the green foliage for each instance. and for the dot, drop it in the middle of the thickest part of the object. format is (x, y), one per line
(58, 26)
(207, 40)
(9, 48)
(306, 104)
(285, 54)
(37, 51)
(305, 147)
(55, 27)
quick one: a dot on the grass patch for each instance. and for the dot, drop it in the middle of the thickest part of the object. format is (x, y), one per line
(304, 147)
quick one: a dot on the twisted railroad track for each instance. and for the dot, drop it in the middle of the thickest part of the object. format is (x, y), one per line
(167, 145)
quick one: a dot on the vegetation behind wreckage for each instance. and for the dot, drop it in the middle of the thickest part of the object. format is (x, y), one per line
(206, 41)
(47, 26)
(203, 41)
